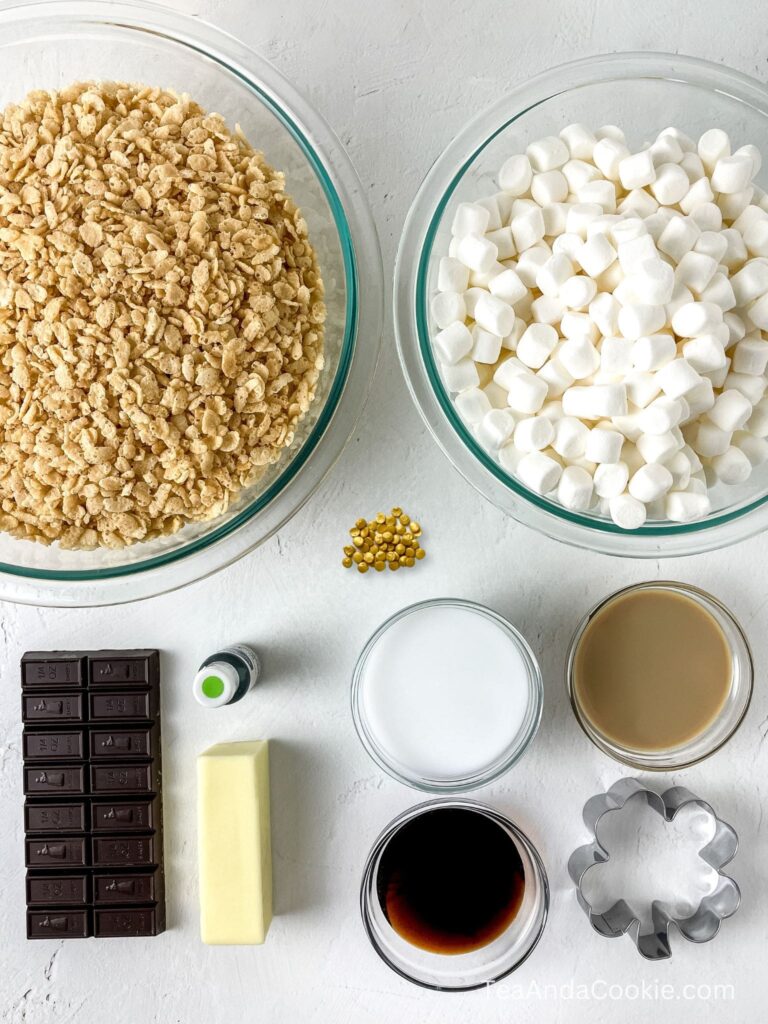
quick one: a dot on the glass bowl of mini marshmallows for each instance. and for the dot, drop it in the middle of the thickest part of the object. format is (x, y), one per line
(581, 299)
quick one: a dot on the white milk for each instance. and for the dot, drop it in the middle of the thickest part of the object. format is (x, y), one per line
(445, 691)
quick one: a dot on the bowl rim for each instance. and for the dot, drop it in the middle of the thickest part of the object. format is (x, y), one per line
(270, 88)
(412, 299)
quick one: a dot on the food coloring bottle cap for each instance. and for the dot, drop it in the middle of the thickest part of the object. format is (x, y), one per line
(215, 684)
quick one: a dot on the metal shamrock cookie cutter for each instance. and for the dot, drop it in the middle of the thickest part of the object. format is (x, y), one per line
(621, 918)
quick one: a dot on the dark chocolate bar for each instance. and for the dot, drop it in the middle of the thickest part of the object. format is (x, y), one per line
(92, 730)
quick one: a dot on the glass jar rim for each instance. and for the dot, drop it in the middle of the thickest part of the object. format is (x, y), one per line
(459, 783)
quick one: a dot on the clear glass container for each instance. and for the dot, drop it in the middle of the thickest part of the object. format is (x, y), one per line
(460, 782)
(642, 93)
(463, 971)
(48, 45)
(727, 720)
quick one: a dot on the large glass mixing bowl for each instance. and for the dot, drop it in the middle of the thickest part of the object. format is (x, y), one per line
(642, 93)
(52, 44)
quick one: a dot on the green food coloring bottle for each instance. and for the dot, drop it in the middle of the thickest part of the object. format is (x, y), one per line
(226, 676)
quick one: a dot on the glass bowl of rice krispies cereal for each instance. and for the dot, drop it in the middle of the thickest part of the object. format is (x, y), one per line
(181, 244)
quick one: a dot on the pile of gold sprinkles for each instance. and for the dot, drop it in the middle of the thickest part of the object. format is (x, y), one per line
(384, 541)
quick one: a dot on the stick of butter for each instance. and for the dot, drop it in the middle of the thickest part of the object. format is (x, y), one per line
(233, 843)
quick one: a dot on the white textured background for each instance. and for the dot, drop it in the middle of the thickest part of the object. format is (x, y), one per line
(396, 80)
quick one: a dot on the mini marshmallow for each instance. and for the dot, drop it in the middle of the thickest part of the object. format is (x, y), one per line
(732, 467)
(536, 345)
(653, 282)
(494, 315)
(757, 312)
(758, 421)
(526, 393)
(751, 387)
(661, 415)
(533, 433)
(452, 275)
(671, 184)
(578, 291)
(634, 251)
(638, 203)
(570, 437)
(719, 292)
(579, 140)
(652, 351)
(695, 271)
(693, 167)
(695, 318)
(554, 215)
(712, 146)
(579, 325)
(471, 299)
(548, 153)
(515, 175)
(736, 252)
(736, 328)
(494, 212)
(650, 482)
(751, 355)
(637, 321)
(611, 479)
(685, 506)
(461, 375)
(470, 219)
(568, 244)
(547, 309)
(627, 512)
(453, 343)
(473, 404)
(627, 229)
(677, 378)
(708, 441)
(751, 281)
(510, 457)
(574, 490)
(554, 273)
(477, 253)
(504, 242)
(732, 173)
(730, 411)
(527, 228)
(700, 399)
(496, 428)
(506, 371)
(580, 216)
(508, 287)
(637, 170)
(705, 353)
(539, 472)
(578, 173)
(600, 192)
(483, 279)
(446, 307)
(755, 448)
(641, 389)
(658, 447)
(579, 357)
(595, 402)
(756, 238)
(486, 346)
(679, 237)
(709, 216)
(611, 131)
(680, 468)
(549, 187)
(712, 243)
(698, 194)
(556, 378)
(604, 310)
(608, 155)
(595, 255)
(497, 395)
(616, 356)
(603, 445)
(530, 262)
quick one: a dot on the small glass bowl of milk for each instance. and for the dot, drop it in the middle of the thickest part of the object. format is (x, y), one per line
(446, 696)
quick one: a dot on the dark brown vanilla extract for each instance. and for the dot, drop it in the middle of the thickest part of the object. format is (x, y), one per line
(451, 880)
